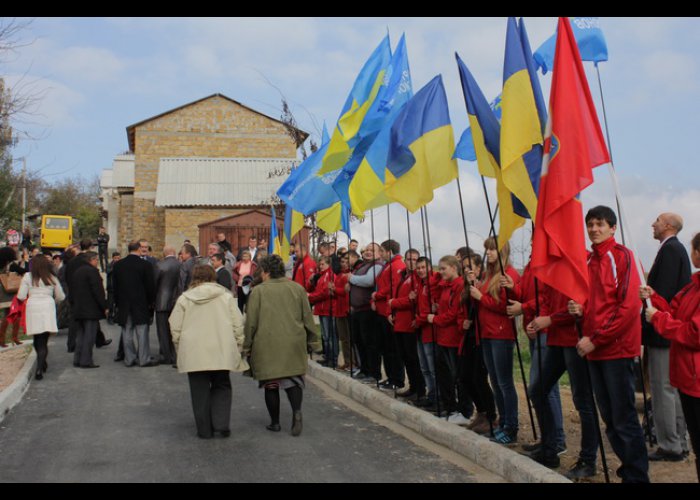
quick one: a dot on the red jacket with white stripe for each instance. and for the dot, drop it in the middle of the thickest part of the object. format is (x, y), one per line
(611, 317)
(524, 292)
(304, 269)
(494, 322)
(320, 298)
(449, 333)
(427, 295)
(402, 307)
(562, 332)
(679, 322)
(388, 284)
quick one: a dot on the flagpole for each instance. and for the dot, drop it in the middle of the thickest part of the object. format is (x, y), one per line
(515, 330)
(389, 335)
(374, 272)
(429, 253)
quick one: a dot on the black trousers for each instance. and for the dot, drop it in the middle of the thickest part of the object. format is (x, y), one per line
(364, 331)
(691, 412)
(389, 350)
(86, 333)
(165, 340)
(211, 401)
(41, 345)
(102, 255)
(451, 389)
(475, 378)
(408, 350)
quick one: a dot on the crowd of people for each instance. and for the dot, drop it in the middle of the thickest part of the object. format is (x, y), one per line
(442, 340)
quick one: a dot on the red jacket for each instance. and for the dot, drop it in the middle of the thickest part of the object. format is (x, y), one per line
(448, 332)
(611, 317)
(494, 322)
(680, 323)
(402, 307)
(320, 298)
(562, 332)
(235, 272)
(524, 292)
(426, 297)
(304, 269)
(341, 301)
(388, 284)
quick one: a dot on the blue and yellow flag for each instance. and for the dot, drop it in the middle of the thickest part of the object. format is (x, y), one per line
(304, 190)
(366, 186)
(465, 147)
(273, 247)
(486, 132)
(335, 218)
(521, 128)
(293, 222)
(421, 143)
(364, 92)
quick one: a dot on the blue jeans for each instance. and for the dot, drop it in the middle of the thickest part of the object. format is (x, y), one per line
(427, 366)
(330, 340)
(613, 384)
(498, 355)
(553, 398)
(556, 361)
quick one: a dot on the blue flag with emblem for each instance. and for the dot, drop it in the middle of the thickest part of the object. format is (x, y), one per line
(589, 38)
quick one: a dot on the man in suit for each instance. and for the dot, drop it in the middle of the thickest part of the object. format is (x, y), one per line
(134, 294)
(102, 246)
(252, 247)
(225, 245)
(89, 306)
(668, 275)
(145, 253)
(188, 256)
(167, 280)
(223, 277)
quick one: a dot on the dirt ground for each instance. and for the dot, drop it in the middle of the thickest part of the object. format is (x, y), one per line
(11, 362)
(659, 472)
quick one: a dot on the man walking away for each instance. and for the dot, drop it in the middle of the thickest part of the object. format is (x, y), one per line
(167, 279)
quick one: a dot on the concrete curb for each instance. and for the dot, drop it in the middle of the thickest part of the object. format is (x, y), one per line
(493, 457)
(14, 392)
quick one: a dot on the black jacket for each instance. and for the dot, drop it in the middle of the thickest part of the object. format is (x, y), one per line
(134, 290)
(102, 241)
(223, 278)
(668, 275)
(70, 269)
(167, 281)
(88, 293)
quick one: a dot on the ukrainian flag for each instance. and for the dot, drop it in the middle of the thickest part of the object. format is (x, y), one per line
(486, 133)
(293, 222)
(421, 143)
(273, 246)
(362, 95)
(366, 186)
(521, 128)
(334, 218)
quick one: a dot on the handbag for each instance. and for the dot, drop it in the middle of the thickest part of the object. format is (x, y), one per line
(10, 282)
(16, 312)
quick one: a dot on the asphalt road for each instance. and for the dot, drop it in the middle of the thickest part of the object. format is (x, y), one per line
(118, 424)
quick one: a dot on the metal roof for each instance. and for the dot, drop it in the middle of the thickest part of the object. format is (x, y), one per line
(187, 182)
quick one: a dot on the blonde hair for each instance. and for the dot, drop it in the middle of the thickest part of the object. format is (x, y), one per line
(451, 260)
(492, 271)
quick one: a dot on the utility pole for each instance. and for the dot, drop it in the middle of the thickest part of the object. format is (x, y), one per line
(24, 192)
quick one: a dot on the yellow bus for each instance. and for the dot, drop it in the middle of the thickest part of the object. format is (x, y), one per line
(56, 231)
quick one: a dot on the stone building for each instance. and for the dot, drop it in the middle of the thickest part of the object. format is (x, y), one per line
(206, 160)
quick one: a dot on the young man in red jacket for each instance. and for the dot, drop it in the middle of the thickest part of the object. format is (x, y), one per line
(304, 268)
(611, 340)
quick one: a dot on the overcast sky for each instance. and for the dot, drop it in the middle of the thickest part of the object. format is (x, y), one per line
(100, 75)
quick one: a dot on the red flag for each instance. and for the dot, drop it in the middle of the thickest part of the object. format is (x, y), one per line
(574, 145)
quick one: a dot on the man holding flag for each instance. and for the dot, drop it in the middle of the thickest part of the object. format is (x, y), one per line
(602, 285)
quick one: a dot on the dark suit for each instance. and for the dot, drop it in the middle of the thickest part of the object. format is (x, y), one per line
(667, 276)
(223, 278)
(68, 274)
(89, 304)
(254, 256)
(186, 274)
(167, 282)
(134, 296)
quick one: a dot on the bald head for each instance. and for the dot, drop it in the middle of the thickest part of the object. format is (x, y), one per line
(667, 224)
(168, 250)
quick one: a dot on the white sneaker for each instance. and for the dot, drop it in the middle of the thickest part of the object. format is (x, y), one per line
(457, 418)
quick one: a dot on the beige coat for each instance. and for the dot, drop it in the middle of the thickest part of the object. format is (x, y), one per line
(207, 330)
(40, 312)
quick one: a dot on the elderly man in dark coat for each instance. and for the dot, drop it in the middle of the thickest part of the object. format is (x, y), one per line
(134, 295)
(89, 307)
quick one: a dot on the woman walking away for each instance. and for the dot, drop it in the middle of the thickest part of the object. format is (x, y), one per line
(679, 322)
(207, 330)
(42, 291)
(279, 332)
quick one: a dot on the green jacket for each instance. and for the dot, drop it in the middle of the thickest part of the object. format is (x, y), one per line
(279, 330)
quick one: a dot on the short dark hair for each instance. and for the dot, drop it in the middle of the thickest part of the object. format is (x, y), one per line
(426, 260)
(116, 254)
(353, 253)
(413, 251)
(601, 212)
(220, 257)
(323, 244)
(273, 265)
(88, 256)
(190, 249)
(354, 240)
(391, 246)
(85, 244)
(695, 242)
(132, 246)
